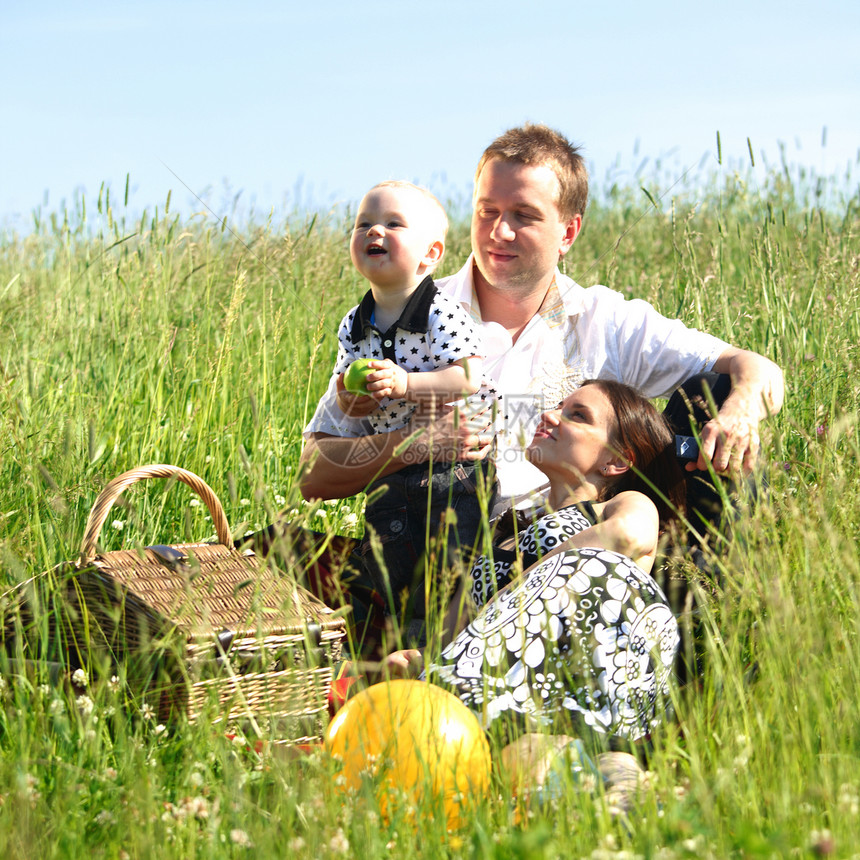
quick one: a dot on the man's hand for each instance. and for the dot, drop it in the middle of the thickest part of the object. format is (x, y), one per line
(448, 436)
(730, 441)
(335, 467)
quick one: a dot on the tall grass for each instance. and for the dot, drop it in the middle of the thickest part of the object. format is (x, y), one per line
(126, 341)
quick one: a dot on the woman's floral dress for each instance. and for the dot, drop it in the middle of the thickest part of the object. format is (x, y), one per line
(584, 637)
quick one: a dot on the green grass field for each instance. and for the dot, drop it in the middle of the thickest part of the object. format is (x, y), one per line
(175, 340)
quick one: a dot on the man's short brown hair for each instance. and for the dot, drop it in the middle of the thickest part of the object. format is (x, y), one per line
(539, 144)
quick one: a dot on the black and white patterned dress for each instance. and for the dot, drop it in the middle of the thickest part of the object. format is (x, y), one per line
(584, 637)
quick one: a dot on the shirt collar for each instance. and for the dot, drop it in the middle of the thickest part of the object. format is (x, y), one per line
(414, 317)
(563, 299)
(552, 308)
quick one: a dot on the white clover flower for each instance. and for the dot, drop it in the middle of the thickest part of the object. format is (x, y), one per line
(194, 503)
(29, 790)
(110, 773)
(196, 807)
(239, 837)
(848, 799)
(350, 520)
(119, 525)
(295, 844)
(280, 501)
(244, 502)
(79, 678)
(85, 705)
(339, 844)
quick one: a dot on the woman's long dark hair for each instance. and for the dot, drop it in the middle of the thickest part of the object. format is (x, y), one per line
(642, 434)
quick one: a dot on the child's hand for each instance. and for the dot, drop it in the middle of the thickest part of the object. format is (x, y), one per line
(403, 664)
(387, 380)
(354, 405)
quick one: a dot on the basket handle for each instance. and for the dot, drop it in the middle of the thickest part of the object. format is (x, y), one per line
(114, 489)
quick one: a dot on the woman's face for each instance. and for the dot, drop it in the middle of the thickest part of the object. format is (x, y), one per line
(572, 441)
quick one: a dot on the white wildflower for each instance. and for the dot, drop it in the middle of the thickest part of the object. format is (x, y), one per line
(147, 711)
(821, 841)
(79, 678)
(196, 807)
(280, 501)
(244, 502)
(105, 818)
(28, 788)
(239, 837)
(848, 799)
(194, 503)
(119, 525)
(339, 844)
(295, 844)
(160, 729)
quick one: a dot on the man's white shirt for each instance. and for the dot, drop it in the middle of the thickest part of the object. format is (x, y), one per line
(579, 333)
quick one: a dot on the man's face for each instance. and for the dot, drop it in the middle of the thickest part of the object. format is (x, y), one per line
(518, 233)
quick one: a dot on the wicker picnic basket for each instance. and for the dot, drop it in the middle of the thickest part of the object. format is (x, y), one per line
(204, 628)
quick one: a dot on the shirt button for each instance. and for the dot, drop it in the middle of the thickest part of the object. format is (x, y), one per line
(386, 343)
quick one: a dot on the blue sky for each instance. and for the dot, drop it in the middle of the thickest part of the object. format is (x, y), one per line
(297, 104)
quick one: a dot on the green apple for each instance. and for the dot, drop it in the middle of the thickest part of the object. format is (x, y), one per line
(356, 374)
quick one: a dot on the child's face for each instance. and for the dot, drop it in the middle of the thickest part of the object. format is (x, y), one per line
(396, 240)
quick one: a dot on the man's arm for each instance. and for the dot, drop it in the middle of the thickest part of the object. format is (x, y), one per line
(731, 440)
(335, 467)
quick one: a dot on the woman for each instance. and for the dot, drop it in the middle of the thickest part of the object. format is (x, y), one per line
(584, 635)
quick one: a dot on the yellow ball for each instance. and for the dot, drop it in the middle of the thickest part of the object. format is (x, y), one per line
(412, 738)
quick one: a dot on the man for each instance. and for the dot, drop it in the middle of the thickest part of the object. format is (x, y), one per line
(543, 335)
